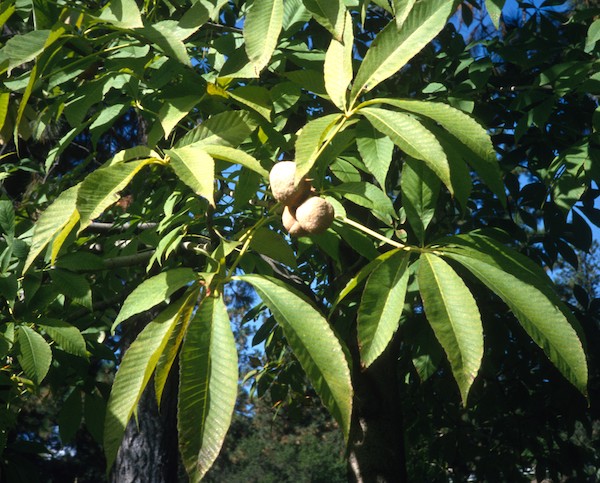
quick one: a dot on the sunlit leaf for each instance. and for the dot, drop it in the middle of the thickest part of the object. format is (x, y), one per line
(207, 387)
(412, 137)
(35, 354)
(52, 220)
(314, 344)
(381, 306)
(261, 30)
(393, 47)
(454, 317)
(338, 65)
(196, 168)
(525, 288)
(101, 188)
(135, 371)
(153, 291)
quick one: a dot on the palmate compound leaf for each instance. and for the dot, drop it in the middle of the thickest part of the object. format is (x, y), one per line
(525, 288)
(454, 317)
(393, 47)
(381, 306)
(314, 343)
(136, 369)
(207, 387)
(153, 291)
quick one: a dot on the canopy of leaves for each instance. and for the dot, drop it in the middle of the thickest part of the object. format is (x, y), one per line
(136, 141)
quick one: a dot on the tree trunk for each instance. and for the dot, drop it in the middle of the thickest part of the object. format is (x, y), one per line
(149, 451)
(376, 447)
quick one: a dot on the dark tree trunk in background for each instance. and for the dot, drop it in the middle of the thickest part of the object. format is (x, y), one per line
(376, 447)
(149, 453)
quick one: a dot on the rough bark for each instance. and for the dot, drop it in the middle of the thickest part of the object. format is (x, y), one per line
(376, 447)
(149, 451)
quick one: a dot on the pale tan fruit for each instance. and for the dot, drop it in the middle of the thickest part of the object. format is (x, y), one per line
(288, 218)
(315, 215)
(282, 178)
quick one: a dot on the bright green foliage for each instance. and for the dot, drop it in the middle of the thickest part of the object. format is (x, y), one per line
(202, 99)
(454, 317)
(208, 387)
(314, 344)
(382, 305)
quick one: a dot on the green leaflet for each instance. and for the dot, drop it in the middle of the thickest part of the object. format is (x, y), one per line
(401, 10)
(23, 48)
(526, 290)
(420, 189)
(494, 8)
(337, 69)
(314, 344)
(309, 141)
(381, 306)
(101, 188)
(261, 30)
(370, 196)
(35, 354)
(375, 149)
(207, 387)
(360, 276)
(196, 168)
(270, 243)
(171, 112)
(412, 137)
(393, 48)
(153, 291)
(229, 128)
(454, 317)
(52, 220)
(66, 335)
(235, 156)
(465, 129)
(136, 369)
(330, 14)
(122, 13)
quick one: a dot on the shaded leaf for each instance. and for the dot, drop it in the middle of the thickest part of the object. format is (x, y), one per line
(375, 149)
(420, 189)
(66, 335)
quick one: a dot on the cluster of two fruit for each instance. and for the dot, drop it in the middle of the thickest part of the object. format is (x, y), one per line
(303, 214)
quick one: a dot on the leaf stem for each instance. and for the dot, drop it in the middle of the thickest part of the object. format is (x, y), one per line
(374, 234)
